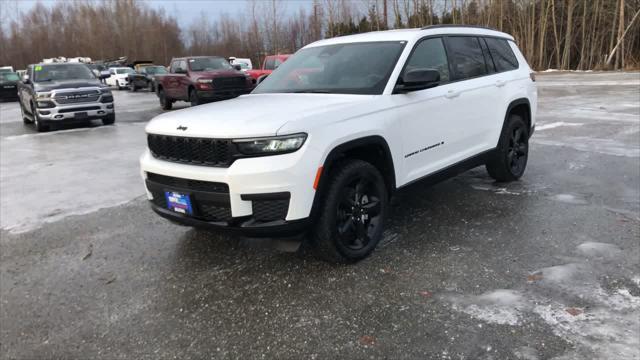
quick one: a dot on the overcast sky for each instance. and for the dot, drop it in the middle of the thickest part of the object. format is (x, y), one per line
(186, 11)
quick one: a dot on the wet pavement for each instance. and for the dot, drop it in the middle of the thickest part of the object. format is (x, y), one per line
(547, 267)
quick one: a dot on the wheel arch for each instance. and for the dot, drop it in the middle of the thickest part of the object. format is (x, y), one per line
(521, 107)
(374, 149)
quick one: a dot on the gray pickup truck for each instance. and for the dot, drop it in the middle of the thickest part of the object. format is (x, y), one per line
(63, 92)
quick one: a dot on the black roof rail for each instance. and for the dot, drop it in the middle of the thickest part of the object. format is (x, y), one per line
(456, 26)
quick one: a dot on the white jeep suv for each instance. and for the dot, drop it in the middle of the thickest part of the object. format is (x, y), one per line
(321, 144)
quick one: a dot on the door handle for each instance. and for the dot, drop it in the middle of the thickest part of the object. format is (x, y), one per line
(452, 94)
(500, 83)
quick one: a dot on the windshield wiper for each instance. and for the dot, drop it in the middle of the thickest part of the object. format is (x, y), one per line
(311, 92)
(44, 80)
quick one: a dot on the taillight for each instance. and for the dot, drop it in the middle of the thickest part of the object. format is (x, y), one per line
(532, 75)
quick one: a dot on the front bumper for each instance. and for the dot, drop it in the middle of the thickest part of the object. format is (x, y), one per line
(243, 226)
(79, 112)
(8, 92)
(280, 186)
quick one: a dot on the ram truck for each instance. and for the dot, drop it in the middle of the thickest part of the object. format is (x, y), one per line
(270, 63)
(201, 79)
(57, 93)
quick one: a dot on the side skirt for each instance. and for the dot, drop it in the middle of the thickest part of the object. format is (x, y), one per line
(452, 170)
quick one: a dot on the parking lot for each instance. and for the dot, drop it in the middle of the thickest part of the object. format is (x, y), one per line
(546, 267)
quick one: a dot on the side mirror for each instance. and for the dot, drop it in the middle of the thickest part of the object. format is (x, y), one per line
(418, 79)
(261, 78)
(104, 74)
(237, 67)
(181, 71)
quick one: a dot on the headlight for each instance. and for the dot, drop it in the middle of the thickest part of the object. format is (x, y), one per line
(45, 104)
(205, 81)
(106, 91)
(43, 95)
(271, 145)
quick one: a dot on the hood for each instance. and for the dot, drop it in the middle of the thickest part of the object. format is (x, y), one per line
(249, 115)
(65, 84)
(216, 74)
(8, 82)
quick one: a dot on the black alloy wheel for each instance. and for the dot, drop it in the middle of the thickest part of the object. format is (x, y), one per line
(517, 151)
(352, 213)
(509, 160)
(359, 212)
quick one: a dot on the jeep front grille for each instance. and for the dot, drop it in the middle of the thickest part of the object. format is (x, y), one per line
(192, 151)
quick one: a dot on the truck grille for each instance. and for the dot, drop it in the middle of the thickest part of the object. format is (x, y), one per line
(75, 97)
(230, 82)
(192, 151)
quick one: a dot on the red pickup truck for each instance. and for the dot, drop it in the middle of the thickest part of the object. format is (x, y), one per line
(270, 63)
(201, 79)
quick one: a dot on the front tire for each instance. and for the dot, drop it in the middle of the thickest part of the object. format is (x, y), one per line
(25, 119)
(509, 160)
(37, 123)
(165, 103)
(193, 98)
(109, 120)
(353, 213)
(134, 88)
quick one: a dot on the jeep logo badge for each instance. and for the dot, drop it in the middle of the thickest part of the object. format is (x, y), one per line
(183, 128)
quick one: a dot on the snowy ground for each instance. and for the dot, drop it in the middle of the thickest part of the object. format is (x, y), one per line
(545, 268)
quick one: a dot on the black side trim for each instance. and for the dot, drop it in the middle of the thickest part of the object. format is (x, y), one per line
(453, 170)
(267, 196)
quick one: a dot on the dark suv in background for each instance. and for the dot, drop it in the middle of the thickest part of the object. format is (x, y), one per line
(9, 86)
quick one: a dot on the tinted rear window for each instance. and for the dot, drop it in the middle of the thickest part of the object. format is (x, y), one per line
(465, 56)
(502, 55)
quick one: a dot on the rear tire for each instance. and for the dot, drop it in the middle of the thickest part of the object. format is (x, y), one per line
(165, 103)
(353, 213)
(509, 160)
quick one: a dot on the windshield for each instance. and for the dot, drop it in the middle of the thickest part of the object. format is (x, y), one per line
(243, 66)
(9, 77)
(125, 71)
(207, 64)
(356, 68)
(61, 72)
(155, 70)
(5, 70)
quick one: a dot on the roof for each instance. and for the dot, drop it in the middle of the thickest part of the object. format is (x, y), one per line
(197, 57)
(59, 64)
(412, 34)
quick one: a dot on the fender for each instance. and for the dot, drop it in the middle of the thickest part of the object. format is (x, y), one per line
(338, 152)
(527, 117)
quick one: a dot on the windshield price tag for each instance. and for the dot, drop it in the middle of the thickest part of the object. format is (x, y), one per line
(38, 68)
